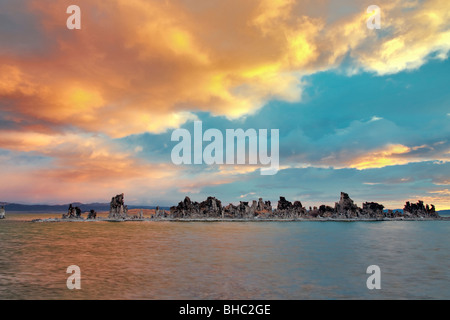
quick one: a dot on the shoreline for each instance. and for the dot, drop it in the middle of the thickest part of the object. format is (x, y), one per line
(238, 220)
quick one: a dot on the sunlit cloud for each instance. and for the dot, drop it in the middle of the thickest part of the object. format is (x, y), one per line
(147, 65)
(381, 158)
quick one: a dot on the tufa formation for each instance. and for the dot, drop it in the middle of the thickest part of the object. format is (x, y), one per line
(344, 209)
(117, 208)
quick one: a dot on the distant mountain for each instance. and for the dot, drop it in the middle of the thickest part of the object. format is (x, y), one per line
(63, 208)
(444, 212)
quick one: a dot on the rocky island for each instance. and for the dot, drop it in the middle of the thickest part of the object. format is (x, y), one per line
(212, 210)
(345, 209)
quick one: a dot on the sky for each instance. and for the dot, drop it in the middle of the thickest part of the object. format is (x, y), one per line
(87, 114)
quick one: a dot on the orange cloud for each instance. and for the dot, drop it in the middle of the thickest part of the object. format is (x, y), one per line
(390, 155)
(144, 66)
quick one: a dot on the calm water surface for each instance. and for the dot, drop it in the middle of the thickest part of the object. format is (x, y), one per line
(223, 260)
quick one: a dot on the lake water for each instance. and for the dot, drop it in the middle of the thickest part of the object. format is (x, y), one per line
(223, 260)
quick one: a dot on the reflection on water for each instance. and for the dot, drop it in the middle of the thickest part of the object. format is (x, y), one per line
(226, 260)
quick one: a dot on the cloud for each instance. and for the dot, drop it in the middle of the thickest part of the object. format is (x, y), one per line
(419, 29)
(45, 167)
(145, 66)
(242, 196)
(390, 155)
